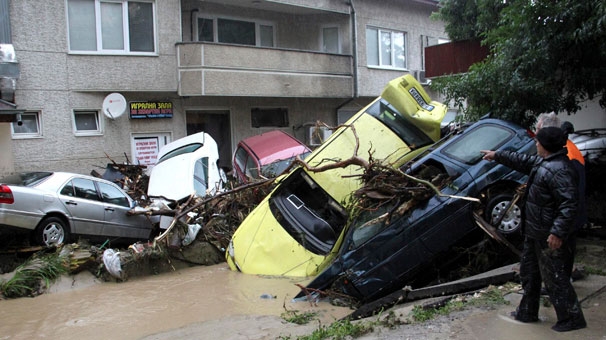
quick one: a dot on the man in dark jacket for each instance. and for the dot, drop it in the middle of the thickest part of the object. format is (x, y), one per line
(551, 208)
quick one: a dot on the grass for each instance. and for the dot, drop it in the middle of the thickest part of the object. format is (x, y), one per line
(488, 297)
(346, 329)
(595, 271)
(298, 318)
(33, 276)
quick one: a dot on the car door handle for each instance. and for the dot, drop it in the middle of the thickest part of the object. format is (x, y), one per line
(71, 203)
(109, 209)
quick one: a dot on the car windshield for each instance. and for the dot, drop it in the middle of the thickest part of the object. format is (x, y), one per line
(276, 168)
(308, 213)
(26, 179)
(189, 148)
(408, 132)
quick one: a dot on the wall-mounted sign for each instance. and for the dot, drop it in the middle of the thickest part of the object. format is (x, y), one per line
(146, 150)
(151, 110)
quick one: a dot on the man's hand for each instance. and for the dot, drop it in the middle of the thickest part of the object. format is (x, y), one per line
(554, 242)
(488, 155)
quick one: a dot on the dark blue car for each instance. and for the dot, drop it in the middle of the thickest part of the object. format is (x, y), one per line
(379, 257)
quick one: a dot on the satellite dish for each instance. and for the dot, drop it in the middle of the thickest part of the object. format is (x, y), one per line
(114, 105)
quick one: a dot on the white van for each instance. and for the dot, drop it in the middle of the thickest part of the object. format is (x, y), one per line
(187, 166)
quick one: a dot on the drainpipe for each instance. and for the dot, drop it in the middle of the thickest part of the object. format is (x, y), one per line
(354, 38)
(191, 23)
(354, 49)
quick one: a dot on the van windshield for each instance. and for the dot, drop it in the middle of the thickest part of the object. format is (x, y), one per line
(408, 132)
(189, 148)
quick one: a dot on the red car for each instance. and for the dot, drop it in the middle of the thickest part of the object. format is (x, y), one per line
(266, 155)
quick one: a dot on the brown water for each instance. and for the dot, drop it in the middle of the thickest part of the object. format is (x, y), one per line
(149, 305)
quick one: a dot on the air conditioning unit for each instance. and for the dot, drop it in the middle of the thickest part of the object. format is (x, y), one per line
(420, 76)
(316, 135)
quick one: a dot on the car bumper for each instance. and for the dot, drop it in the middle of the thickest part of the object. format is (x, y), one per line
(19, 219)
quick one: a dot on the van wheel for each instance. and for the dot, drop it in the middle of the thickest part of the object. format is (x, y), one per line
(511, 222)
(52, 231)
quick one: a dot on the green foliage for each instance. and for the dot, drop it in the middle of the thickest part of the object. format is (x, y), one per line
(298, 318)
(32, 276)
(595, 271)
(545, 56)
(421, 314)
(338, 330)
(488, 297)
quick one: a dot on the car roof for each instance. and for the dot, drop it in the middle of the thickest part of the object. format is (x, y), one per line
(58, 178)
(274, 145)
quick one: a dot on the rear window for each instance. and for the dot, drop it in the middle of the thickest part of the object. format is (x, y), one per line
(486, 137)
(189, 148)
(408, 132)
(26, 179)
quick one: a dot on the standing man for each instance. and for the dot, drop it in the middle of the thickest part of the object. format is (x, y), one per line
(551, 208)
(578, 162)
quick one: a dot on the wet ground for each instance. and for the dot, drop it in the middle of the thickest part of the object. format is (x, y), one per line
(80, 307)
(214, 302)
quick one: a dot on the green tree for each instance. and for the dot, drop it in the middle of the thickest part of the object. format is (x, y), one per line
(544, 56)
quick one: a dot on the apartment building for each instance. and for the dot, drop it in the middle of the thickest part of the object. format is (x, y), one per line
(86, 82)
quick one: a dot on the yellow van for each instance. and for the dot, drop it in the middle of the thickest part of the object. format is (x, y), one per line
(295, 230)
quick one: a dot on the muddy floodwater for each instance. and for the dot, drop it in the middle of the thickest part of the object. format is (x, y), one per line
(80, 308)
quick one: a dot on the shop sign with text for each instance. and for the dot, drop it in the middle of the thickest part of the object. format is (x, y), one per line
(151, 110)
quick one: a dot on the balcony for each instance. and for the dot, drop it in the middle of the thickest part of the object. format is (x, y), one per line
(214, 69)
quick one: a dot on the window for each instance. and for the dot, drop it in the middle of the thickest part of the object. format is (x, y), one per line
(408, 132)
(330, 40)
(269, 117)
(385, 48)
(233, 31)
(83, 188)
(116, 26)
(113, 195)
(87, 123)
(487, 137)
(201, 176)
(30, 126)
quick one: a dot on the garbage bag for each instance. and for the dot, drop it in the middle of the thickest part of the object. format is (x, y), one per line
(111, 260)
(192, 232)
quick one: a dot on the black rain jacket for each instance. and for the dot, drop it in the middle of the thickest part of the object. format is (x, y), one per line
(551, 193)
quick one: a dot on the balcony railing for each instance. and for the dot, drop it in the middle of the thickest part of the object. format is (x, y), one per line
(211, 69)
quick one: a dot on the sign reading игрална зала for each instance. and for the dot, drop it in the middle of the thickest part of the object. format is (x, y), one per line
(151, 110)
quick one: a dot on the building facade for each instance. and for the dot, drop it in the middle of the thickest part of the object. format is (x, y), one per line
(100, 81)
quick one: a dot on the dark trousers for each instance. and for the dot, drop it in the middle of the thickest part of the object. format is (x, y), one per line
(553, 267)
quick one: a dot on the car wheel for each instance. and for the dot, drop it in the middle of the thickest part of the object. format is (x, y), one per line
(52, 231)
(496, 207)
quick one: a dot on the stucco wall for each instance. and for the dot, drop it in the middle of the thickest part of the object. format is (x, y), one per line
(396, 15)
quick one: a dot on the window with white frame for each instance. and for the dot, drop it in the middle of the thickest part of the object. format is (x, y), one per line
(28, 126)
(385, 48)
(234, 31)
(87, 122)
(112, 27)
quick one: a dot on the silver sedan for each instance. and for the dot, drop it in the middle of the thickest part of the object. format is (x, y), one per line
(57, 205)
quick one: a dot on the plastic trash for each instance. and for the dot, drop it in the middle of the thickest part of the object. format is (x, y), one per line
(111, 260)
(192, 232)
